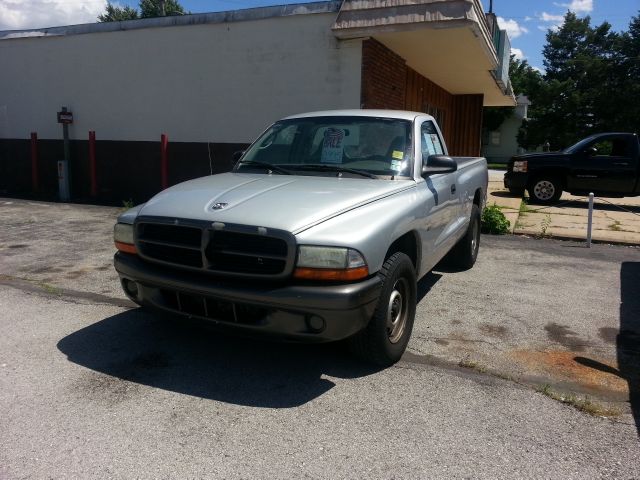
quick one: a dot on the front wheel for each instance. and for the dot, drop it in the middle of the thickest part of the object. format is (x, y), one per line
(385, 338)
(545, 190)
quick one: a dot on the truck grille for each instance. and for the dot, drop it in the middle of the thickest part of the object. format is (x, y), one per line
(213, 308)
(223, 249)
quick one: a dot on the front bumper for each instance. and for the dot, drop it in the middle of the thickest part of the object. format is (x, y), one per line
(515, 181)
(313, 313)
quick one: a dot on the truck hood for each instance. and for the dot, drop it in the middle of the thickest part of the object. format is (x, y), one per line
(287, 202)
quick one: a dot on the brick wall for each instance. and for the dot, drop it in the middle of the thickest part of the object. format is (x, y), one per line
(384, 77)
(387, 82)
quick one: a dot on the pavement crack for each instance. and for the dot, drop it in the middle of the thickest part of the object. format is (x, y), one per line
(64, 294)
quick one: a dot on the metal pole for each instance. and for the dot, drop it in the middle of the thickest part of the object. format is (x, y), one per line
(34, 161)
(590, 220)
(164, 161)
(92, 163)
(64, 170)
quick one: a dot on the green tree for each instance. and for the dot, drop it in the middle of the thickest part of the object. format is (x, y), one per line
(627, 67)
(153, 8)
(580, 93)
(524, 79)
(114, 13)
(148, 9)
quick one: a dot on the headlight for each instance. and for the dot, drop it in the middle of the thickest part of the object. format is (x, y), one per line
(330, 263)
(123, 237)
(520, 166)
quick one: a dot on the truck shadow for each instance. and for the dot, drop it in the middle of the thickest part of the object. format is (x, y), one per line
(188, 358)
(626, 338)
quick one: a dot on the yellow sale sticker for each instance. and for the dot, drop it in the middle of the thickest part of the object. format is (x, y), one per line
(397, 154)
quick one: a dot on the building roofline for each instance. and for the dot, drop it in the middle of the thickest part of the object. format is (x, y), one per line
(242, 15)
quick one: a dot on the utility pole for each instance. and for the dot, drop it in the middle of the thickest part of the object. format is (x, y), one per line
(163, 12)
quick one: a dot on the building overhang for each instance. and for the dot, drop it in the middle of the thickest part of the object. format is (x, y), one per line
(447, 41)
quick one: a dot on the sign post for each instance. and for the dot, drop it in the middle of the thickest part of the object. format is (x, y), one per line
(64, 182)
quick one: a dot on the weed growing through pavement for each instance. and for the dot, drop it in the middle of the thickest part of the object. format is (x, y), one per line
(615, 226)
(471, 365)
(585, 404)
(127, 204)
(544, 226)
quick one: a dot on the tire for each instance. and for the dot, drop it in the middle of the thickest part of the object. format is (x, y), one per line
(464, 253)
(545, 190)
(385, 338)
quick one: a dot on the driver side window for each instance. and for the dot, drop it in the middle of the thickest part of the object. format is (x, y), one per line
(609, 148)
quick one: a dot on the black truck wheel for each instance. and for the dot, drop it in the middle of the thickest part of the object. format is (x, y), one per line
(464, 254)
(385, 338)
(545, 190)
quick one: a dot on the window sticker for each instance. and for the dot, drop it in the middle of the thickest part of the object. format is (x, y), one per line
(436, 142)
(397, 165)
(428, 143)
(397, 154)
(332, 145)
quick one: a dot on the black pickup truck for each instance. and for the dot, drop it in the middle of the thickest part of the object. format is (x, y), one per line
(606, 164)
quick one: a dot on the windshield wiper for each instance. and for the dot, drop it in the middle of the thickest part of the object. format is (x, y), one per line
(335, 168)
(267, 166)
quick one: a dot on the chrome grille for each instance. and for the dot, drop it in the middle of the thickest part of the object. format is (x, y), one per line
(216, 248)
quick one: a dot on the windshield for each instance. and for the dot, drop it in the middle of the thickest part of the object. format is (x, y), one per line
(350, 146)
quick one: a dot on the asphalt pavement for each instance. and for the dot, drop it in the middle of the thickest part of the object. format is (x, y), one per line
(92, 387)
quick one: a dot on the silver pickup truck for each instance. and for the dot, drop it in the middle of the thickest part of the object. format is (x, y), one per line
(318, 234)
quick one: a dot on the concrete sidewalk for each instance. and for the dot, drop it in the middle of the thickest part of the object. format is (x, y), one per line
(615, 220)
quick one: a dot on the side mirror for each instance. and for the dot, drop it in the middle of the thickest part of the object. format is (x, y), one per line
(236, 155)
(438, 164)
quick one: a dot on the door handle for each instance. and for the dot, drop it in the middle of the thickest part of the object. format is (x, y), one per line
(453, 188)
(621, 164)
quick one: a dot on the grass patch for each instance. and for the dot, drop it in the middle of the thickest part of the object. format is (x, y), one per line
(584, 404)
(523, 207)
(497, 166)
(127, 204)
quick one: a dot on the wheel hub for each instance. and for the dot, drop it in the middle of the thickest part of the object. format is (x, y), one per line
(396, 311)
(544, 190)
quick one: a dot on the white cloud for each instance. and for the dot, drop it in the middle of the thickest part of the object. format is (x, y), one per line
(547, 17)
(541, 71)
(578, 6)
(514, 30)
(553, 22)
(24, 14)
(528, 18)
(519, 54)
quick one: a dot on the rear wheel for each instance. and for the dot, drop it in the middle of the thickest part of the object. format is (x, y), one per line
(545, 190)
(385, 338)
(464, 254)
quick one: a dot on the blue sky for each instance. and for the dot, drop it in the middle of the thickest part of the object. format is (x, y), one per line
(527, 21)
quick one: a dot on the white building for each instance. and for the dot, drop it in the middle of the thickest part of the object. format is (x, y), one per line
(213, 82)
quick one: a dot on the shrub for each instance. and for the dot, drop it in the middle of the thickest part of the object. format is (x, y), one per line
(494, 221)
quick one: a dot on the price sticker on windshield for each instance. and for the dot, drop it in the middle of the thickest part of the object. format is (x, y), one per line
(332, 145)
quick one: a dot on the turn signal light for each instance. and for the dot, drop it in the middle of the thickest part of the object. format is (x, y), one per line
(126, 247)
(330, 274)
